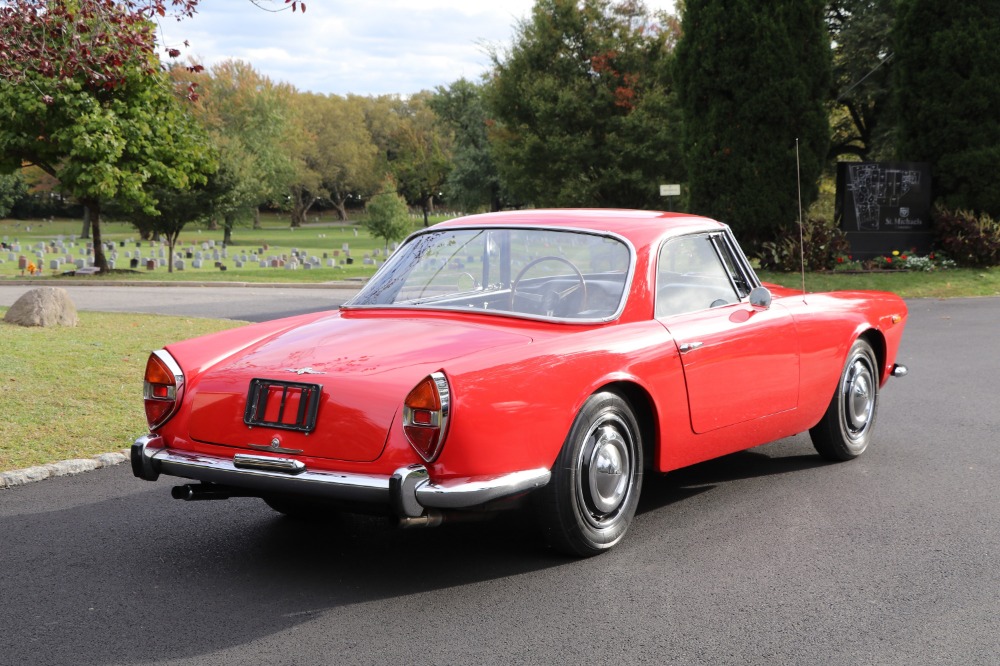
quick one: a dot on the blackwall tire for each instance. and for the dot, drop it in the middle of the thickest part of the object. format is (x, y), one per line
(845, 431)
(587, 506)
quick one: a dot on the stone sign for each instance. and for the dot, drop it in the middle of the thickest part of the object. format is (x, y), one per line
(884, 206)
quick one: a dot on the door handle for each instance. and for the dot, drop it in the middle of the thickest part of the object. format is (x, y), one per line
(689, 346)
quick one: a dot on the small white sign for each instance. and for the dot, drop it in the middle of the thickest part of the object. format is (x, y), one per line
(670, 190)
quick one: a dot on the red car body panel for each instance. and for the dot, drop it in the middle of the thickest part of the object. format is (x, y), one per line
(518, 383)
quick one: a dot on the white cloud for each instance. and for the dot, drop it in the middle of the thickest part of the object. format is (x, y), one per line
(367, 48)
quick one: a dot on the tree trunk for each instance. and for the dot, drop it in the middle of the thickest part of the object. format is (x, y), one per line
(94, 207)
(340, 206)
(256, 217)
(227, 226)
(85, 233)
(425, 205)
(301, 208)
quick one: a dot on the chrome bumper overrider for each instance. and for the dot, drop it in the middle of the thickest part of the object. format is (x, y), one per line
(409, 491)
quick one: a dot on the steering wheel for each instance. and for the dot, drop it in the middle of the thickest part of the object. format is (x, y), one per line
(547, 303)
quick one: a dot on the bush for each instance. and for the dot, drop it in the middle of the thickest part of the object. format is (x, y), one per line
(824, 243)
(970, 241)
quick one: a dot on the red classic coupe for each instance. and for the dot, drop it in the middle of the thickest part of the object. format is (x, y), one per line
(546, 358)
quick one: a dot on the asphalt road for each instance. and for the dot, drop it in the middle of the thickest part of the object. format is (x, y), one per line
(247, 303)
(763, 557)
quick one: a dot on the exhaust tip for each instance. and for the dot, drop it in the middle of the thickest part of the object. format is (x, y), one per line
(185, 492)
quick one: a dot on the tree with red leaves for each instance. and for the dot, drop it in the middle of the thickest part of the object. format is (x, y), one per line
(84, 99)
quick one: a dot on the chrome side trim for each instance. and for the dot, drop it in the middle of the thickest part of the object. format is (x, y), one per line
(899, 370)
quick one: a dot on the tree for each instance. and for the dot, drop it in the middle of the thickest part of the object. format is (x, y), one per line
(12, 189)
(753, 78)
(473, 181)
(860, 31)
(90, 41)
(103, 135)
(582, 106)
(335, 152)
(246, 115)
(947, 93)
(175, 209)
(388, 216)
(414, 145)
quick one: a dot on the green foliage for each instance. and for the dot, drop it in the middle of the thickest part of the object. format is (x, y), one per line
(100, 142)
(862, 65)
(246, 116)
(968, 239)
(947, 85)
(417, 149)
(582, 106)
(12, 189)
(388, 216)
(752, 78)
(473, 182)
(824, 242)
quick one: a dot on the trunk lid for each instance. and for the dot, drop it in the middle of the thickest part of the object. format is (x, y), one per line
(331, 388)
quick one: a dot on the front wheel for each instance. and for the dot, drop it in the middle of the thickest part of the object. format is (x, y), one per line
(589, 503)
(846, 429)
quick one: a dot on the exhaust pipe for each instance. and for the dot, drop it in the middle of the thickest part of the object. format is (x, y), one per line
(429, 519)
(206, 491)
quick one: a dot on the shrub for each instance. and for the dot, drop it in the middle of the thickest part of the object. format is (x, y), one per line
(968, 240)
(824, 243)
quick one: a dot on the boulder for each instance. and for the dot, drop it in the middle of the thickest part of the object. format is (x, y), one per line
(44, 306)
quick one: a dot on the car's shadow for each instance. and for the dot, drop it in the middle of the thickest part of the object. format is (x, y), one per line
(175, 579)
(662, 490)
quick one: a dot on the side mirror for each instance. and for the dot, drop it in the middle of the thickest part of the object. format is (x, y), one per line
(760, 297)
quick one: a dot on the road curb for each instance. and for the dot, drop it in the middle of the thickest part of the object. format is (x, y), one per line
(20, 477)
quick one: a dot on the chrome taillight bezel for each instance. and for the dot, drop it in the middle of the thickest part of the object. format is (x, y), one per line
(173, 392)
(431, 424)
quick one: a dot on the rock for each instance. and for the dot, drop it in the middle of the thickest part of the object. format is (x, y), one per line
(44, 306)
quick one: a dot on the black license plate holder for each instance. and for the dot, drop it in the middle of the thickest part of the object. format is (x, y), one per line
(296, 408)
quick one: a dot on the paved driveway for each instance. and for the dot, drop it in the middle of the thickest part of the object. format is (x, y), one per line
(763, 557)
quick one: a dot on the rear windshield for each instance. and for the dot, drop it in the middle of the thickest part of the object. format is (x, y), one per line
(547, 273)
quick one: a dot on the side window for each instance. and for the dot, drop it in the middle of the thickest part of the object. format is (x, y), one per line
(691, 276)
(738, 277)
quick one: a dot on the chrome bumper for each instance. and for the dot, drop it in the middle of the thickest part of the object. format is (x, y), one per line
(409, 491)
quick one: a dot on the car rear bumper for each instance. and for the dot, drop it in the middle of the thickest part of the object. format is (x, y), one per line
(409, 492)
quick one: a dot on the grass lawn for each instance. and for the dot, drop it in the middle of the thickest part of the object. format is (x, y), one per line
(76, 392)
(950, 283)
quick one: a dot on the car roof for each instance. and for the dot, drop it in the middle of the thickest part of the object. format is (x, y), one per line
(639, 226)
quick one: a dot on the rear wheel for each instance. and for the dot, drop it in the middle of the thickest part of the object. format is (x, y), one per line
(589, 503)
(846, 428)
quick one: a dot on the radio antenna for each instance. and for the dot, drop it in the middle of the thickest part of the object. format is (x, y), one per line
(802, 246)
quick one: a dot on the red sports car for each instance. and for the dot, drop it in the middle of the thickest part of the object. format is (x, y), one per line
(544, 357)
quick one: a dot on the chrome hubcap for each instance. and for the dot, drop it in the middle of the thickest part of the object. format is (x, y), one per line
(606, 470)
(859, 396)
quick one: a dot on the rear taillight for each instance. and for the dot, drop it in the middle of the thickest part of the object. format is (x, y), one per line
(161, 390)
(425, 415)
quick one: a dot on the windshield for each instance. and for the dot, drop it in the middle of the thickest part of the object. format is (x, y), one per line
(562, 274)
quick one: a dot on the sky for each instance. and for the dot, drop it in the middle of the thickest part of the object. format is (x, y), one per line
(363, 47)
